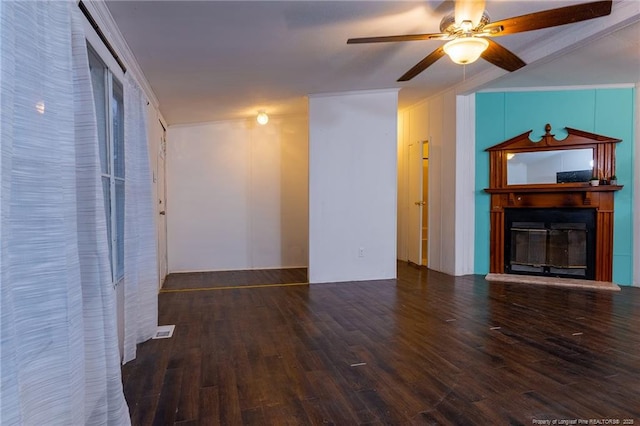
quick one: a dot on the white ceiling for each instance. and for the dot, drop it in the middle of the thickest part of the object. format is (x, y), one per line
(215, 60)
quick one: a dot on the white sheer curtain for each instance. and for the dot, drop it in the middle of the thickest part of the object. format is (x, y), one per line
(59, 358)
(140, 243)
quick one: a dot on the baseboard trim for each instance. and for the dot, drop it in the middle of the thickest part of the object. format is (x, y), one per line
(268, 268)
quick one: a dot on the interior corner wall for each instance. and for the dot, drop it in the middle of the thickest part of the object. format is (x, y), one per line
(435, 120)
(606, 111)
(403, 188)
(352, 186)
(237, 195)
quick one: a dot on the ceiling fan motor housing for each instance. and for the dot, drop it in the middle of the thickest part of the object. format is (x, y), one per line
(448, 23)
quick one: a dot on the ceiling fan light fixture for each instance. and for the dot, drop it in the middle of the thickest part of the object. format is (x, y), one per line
(262, 118)
(465, 50)
(467, 33)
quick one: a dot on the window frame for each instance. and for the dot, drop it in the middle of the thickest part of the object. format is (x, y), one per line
(115, 239)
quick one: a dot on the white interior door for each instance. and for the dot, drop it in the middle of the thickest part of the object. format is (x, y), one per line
(414, 236)
(162, 211)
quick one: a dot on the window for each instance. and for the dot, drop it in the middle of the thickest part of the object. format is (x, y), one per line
(109, 100)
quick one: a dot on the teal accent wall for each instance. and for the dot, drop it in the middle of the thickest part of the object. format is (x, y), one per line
(503, 115)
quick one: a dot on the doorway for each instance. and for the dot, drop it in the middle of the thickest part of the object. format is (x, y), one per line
(418, 235)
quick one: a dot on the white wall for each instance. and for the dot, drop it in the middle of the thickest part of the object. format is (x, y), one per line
(352, 186)
(237, 195)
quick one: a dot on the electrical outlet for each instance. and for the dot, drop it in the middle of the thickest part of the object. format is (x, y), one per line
(361, 252)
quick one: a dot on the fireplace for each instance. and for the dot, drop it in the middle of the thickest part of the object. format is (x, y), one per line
(557, 242)
(545, 218)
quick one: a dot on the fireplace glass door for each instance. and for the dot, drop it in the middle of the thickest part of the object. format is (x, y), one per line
(552, 242)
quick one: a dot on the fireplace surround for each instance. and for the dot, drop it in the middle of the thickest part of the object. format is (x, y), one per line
(537, 226)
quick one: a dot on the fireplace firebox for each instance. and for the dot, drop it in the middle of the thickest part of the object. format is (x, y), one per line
(550, 242)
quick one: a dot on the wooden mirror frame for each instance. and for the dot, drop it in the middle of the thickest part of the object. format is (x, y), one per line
(604, 162)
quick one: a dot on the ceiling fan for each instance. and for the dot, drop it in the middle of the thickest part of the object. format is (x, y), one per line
(469, 31)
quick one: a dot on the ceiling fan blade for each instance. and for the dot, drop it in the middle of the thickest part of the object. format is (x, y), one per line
(550, 18)
(408, 37)
(423, 64)
(502, 57)
(469, 10)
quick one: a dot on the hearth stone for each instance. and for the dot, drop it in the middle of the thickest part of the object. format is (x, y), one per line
(553, 282)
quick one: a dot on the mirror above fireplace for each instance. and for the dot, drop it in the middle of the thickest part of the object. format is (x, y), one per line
(552, 166)
(520, 161)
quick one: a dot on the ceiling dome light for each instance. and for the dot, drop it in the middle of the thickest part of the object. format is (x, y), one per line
(465, 50)
(262, 118)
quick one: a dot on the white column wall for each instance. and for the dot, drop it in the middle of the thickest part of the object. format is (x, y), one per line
(352, 186)
(237, 195)
(465, 171)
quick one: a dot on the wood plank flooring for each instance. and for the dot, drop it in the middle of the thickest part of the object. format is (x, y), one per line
(224, 279)
(426, 348)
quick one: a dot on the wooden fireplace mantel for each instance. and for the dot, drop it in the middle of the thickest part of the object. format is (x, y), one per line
(558, 195)
(554, 188)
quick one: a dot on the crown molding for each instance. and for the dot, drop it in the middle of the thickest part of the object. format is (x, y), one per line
(557, 88)
(352, 93)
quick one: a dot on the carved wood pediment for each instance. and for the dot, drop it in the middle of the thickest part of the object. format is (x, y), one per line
(575, 138)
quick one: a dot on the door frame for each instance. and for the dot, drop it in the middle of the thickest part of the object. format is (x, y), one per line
(161, 207)
(414, 188)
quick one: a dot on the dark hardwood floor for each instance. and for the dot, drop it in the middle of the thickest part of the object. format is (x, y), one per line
(224, 279)
(426, 348)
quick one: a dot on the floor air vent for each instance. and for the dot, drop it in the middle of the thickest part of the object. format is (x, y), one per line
(164, 332)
